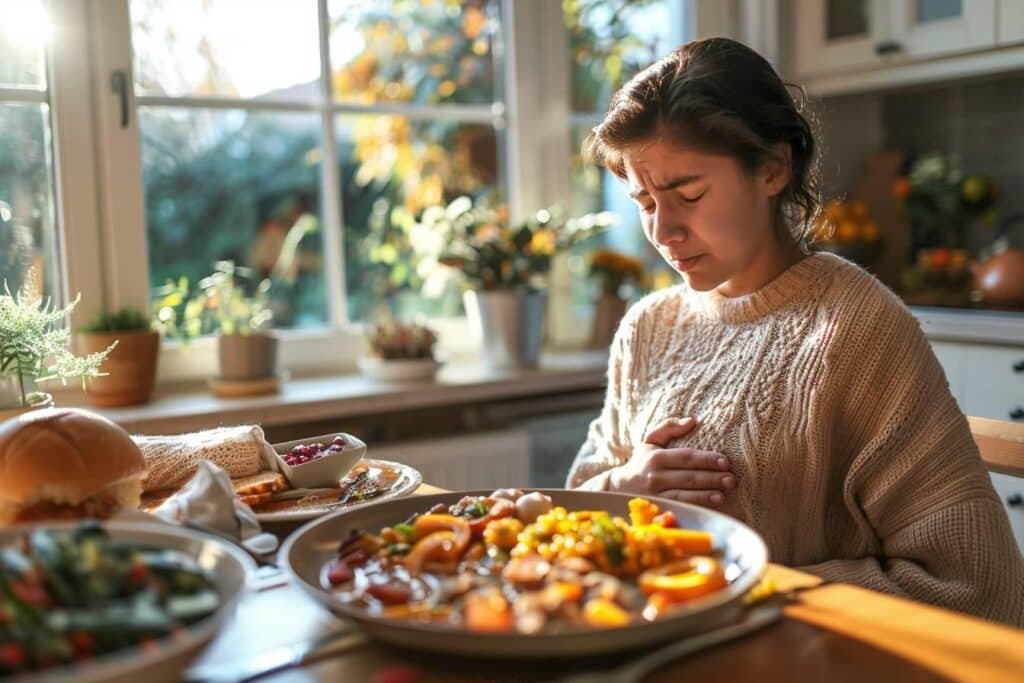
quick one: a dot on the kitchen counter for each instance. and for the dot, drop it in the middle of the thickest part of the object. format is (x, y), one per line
(971, 326)
(312, 399)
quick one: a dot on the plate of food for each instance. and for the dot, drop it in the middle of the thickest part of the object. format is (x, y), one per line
(369, 480)
(539, 574)
(118, 601)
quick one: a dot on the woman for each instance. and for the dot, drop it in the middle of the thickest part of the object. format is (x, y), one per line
(788, 389)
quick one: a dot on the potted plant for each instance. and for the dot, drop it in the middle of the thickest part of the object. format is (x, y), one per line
(34, 348)
(130, 370)
(614, 272)
(245, 348)
(399, 351)
(502, 267)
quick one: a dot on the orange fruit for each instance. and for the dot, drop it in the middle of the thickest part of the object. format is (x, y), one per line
(869, 231)
(847, 232)
(859, 210)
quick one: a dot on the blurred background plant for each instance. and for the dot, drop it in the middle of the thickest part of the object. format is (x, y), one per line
(231, 300)
(615, 272)
(475, 243)
(390, 339)
(124, 319)
(943, 204)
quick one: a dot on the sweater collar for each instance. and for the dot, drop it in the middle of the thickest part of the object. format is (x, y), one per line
(796, 281)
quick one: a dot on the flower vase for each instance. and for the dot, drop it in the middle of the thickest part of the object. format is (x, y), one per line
(608, 312)
(509, 326)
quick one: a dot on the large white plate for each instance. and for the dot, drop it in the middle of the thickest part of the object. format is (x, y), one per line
(230, 567)
(409, 479)
(306, 552)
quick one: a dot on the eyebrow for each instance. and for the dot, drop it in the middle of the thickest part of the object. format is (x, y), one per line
(670, 185)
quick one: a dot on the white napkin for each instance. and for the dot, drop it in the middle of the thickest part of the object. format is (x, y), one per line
(208, 500)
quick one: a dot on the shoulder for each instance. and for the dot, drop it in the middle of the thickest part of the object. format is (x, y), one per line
(856, 299)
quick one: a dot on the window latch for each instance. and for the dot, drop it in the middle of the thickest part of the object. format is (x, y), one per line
(119, 84)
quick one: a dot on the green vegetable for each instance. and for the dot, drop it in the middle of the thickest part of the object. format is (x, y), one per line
(397, 549)
(406, 530)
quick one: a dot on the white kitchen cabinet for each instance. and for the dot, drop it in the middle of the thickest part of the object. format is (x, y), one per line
(846, 45)
(1010, 20)
(988, 381)
(930, 28)
(837, 35)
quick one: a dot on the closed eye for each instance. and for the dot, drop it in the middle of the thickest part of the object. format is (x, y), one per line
(692, 200)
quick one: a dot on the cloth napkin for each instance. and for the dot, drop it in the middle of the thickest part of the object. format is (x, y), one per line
(208, 501)
(173, 459)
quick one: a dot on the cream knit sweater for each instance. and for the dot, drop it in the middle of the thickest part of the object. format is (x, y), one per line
(852, 458)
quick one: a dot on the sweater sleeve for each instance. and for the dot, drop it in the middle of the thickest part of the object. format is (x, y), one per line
(916, 483)
(606, 445)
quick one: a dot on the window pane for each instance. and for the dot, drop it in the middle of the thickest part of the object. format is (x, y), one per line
(23, 34)
(27, 230)
(936, 10)
(233, 185)
(413, 51)
(846, 18)
(610, 40)
(392, 169)
(267, 49)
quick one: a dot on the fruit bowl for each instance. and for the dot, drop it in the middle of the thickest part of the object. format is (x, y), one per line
(319, 462)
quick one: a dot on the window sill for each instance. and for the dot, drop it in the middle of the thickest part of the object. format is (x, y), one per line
(323, 397)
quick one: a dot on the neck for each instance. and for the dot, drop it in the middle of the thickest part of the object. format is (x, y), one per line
(764, 268)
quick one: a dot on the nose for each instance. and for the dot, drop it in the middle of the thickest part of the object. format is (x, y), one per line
(667, 226)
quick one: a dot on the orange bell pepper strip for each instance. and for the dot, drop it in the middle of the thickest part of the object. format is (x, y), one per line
(684, 540)
(686, 580)
(438, 537)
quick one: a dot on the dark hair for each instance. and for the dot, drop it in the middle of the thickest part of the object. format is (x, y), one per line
(720, 96)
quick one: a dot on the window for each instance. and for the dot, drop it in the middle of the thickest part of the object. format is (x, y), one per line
(28, 235)
(303, 146)
(237, 129)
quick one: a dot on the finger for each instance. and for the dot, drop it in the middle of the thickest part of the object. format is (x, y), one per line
(691, 480)
(670, 429)
(690, 459)
(709, 499)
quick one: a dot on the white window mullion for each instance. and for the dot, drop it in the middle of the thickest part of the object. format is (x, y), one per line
(33, 95)
(331, 206)
(74, 155)
(119, 167)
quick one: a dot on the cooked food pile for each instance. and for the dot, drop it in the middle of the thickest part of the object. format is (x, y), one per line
(67, 597)
(511, 562)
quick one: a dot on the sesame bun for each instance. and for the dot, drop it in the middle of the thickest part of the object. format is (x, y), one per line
(58, 463)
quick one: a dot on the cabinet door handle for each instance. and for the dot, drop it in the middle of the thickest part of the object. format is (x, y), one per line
(1015, 500)
(1018, 366)
(1017, 413)
(887, 47)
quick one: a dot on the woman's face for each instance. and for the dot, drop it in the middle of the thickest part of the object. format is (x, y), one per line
(710, 219)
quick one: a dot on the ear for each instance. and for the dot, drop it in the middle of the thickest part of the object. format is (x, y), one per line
(775, 171)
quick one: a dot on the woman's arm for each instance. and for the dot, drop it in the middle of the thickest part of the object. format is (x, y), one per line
(916, 481)
(606, 445)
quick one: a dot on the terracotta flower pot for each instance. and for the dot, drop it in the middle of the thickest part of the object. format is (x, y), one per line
(247, 356)
(130, 368)
(608, 312)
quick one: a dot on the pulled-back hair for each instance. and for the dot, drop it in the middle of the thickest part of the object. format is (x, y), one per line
(721, 97)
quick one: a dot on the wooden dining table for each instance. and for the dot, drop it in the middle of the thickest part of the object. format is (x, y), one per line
(834, 632)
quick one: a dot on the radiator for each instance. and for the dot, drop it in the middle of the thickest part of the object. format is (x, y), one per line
(487, 460)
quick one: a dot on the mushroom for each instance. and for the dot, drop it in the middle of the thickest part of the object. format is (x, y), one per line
(531, 506)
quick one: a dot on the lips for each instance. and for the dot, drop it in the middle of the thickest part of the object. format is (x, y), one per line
(685, 264)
